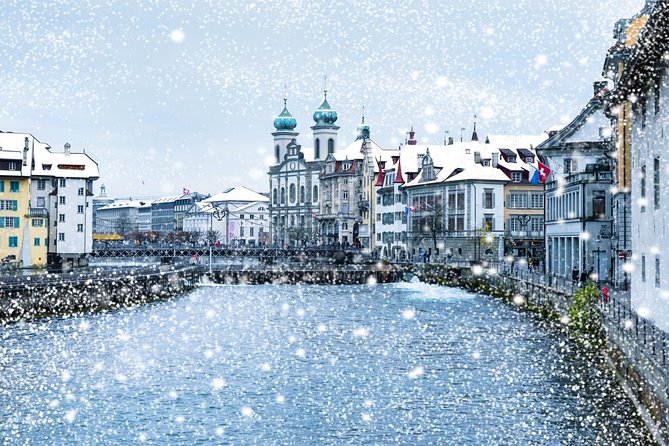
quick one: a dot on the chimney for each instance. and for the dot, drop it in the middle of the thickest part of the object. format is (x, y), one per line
(67, 148)
(412, 137)
(450, 140)
(599, 86)
(495, 159)
(477, 157)
(26, 145)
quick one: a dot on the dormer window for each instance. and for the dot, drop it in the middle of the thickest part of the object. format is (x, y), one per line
(486, 163)
(516, 177)
(512, 159)
(529, 159)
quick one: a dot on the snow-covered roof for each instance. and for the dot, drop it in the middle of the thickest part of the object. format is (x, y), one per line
(237, 193)
(169, 199)
(139, 204)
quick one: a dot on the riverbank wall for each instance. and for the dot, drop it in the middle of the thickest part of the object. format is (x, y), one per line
(635, 350)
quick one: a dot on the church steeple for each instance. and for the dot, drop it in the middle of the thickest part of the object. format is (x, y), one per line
(285, 125)
(325, 130)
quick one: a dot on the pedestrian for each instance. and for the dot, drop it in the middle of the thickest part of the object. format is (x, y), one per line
(574, 275)
(584, 277)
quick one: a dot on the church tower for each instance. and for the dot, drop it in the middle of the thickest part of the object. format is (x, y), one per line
(325, 130)
(285, 125)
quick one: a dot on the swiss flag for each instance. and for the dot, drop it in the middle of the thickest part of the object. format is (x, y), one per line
(544, 171)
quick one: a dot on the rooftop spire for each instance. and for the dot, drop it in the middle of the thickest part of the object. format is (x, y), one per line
(285, 95)
(475, 137)
(363, 114)
(325, 87)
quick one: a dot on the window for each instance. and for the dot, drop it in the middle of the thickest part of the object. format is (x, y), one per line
(643, 187)
(37, 241)
(80, 192)
(80, 228)
(37, 222)
(344, 195)
(330, 145)
(13, 186)
(656, 182)
(657, 272)
(80, 209)
(643, 269)
(599, 204)
(512, 158)
(61, 200)
(537, 224)
(516, 177)
(2, 186)
(8, 205)
(283, 195)
(486, 163)
(488, 222)
(62, 182)
(529, 160)
(570, 166)
(537, 201)
(276, 152)
(292, 193)
(41, 202)
(12, 166)
(488, 199)
(275, 196)
(10, 222)
(61, 218)
(317, 149)
(13, 241)
(315, 195)
(61, 236)
(517, 201)
(302, 194)
(250, 232)
(41, 184)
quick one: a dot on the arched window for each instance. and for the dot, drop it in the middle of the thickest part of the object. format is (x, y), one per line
(330, 145)
(291, 193)
(274, 196)
(317, 149)
(276, 153)
(302, 194)
(283, 195)
(302, 220)
(315, 196)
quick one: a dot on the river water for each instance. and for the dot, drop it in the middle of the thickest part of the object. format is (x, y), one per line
(307, 365)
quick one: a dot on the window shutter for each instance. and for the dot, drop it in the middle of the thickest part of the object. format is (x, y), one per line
(15, 204)
(493, 223)
(493, 199)
(483, 200)
(17, 222)
(2, 222)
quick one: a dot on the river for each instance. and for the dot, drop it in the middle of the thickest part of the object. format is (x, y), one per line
(307, 365)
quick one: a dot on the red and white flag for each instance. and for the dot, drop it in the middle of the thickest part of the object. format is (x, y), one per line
(185, 191)
(544, 171)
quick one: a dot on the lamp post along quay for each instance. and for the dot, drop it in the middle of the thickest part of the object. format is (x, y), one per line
(218, 214)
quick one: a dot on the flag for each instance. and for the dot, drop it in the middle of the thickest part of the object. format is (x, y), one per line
(544, 171)
(533, 175)
(313, 215)
(412, 208)
(185, 191)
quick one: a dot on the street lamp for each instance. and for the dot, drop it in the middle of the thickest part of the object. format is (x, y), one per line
(219, 214)
(599, 252)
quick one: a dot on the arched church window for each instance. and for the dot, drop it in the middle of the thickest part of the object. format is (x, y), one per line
(274, 196)
(283, 195)
(330, 145)
(315, 195)
(317, 149)
(302, 194)
(276, 153)
(292, 193)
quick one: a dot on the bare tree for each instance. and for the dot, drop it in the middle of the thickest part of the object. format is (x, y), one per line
(123, 225)
(299, 234)
(212, 236)
(430, 226)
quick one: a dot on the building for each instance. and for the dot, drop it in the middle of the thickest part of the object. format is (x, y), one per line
(578, 195)
(100, 226)
(124, 216)
(644, 86)
(339, 215)
(626, 33)
(24, 237)
(238, 215)
(294, 178)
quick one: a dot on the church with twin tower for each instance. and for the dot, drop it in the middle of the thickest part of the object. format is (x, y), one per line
(293, 179)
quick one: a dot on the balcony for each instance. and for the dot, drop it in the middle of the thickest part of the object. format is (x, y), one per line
(37, 212)
(524, 234)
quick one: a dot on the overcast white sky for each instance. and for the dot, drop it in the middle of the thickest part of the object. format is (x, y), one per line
(166, 95)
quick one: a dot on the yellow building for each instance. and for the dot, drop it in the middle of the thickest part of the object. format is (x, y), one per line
(23, 230)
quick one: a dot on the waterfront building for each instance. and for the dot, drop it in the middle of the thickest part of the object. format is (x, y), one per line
(644, 87)
(456, 207)
(99, 226)
(124, 216)
(626, 33)
(578, 227)
(49, 194)
(239, 215)
(167, 213)
(293, 179)
(339, 215)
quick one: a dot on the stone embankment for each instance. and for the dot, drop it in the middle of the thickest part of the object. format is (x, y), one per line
(27, 297)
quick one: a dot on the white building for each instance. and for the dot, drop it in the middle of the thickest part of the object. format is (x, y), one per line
(123, 216)
(578, 195)
(645, 83)
(238, 214)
